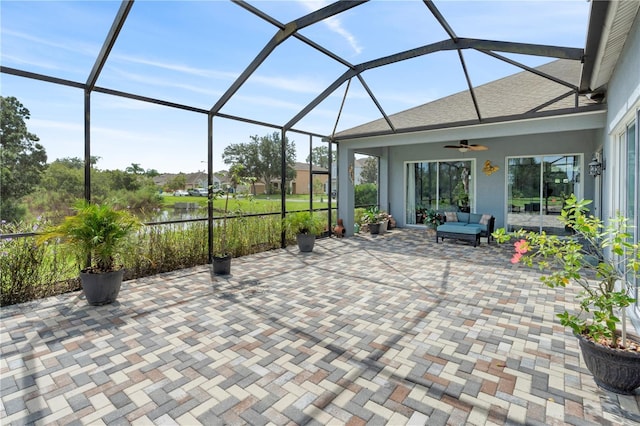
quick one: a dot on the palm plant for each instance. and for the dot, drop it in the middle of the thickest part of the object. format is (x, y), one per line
(95, 232)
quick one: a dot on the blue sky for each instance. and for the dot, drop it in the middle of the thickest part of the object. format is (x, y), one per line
(191, 52)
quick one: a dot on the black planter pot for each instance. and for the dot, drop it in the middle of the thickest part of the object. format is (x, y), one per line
(614, 370)
(374, 228)
(221, 265)
(103, 288)
(306, 242)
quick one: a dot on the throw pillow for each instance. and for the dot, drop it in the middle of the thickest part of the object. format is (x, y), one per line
(451, 216)
(484, 220)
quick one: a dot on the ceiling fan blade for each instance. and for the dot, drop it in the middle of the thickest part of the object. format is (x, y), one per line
(478, 147)
(453, 146)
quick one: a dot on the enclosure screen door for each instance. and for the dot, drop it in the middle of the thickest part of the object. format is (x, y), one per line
(537, 188)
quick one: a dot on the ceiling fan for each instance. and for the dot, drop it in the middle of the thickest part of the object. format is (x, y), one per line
(464, 146)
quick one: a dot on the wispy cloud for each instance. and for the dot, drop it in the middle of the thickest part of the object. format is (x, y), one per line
(177, 67)
(164, 83)
(33, 62)
(56, 124)
(298, 85)
(334, 24)
(67, 45)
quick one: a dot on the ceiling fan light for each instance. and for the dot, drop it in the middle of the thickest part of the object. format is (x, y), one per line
(463, 149)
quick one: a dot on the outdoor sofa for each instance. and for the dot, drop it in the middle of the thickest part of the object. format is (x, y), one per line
(466, 226)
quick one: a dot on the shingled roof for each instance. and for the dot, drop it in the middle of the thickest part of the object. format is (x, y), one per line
(521, 95)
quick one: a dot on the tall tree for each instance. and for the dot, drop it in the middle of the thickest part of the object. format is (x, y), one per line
(369, 172)
(179, 181)
(320, 156)
(22, 158)
(261, 158)
(135, 169)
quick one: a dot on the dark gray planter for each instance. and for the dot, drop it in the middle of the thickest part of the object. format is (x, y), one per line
(221, 265)
(306, 242)
(374, 228)
(613, 369)
(103, 288)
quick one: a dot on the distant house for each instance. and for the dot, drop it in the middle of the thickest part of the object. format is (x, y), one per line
(303, 183)
(193, 180)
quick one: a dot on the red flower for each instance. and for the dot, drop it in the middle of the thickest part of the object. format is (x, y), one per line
(516, 258)
(522, 247)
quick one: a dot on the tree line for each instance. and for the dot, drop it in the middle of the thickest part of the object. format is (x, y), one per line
(30, 186)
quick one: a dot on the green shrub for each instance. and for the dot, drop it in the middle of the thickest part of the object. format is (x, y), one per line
(366, 194)
(163, 248)
(30, 271)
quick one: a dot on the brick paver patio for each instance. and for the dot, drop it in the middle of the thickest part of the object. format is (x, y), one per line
(389, 329)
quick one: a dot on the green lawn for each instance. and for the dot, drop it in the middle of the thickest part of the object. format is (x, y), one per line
(258, 204)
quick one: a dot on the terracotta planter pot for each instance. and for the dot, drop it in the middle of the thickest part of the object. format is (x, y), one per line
(614, 370)
(101, 289)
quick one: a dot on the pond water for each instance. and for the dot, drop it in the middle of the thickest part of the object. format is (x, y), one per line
(175, 214)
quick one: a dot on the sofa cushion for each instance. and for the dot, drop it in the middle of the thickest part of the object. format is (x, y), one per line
(460, 224)
(474, 218)
(484, 220)
(451, 216)
(482, 228)
(463, 217)
(469, 230)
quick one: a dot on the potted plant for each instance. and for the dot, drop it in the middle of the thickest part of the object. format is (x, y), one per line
(96, 233)
(433, 219)
(385, 219)
(222, 253)
(420, 213)
(602, 260)
(372, 220)
(305, 225)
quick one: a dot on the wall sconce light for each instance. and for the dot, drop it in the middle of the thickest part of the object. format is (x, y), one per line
(595, 167)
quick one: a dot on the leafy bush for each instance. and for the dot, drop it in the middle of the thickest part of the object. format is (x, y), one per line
(29, 271)
(163, 248)
(95, 231)
(366, 194)
(304, 222)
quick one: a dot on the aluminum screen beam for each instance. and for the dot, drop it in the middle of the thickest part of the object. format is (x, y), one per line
(572, 53)
(443, 22)
(531, 70)
(463, 43)
(322, 96)
(375, 101)
(471, 91)
(445, 25)
(298, 36)
(551, 102)
(116, 26)
(502, 119)
(280, 36)
(41, 77)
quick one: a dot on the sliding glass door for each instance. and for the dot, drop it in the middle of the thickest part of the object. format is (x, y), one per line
(537, 188)
(438, 185)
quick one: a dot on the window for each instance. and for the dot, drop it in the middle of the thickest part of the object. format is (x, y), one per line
(438, 185)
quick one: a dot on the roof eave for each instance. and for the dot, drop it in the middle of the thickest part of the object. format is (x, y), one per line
(467, 123)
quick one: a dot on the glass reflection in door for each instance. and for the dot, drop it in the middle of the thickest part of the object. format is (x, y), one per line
(537, 188)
